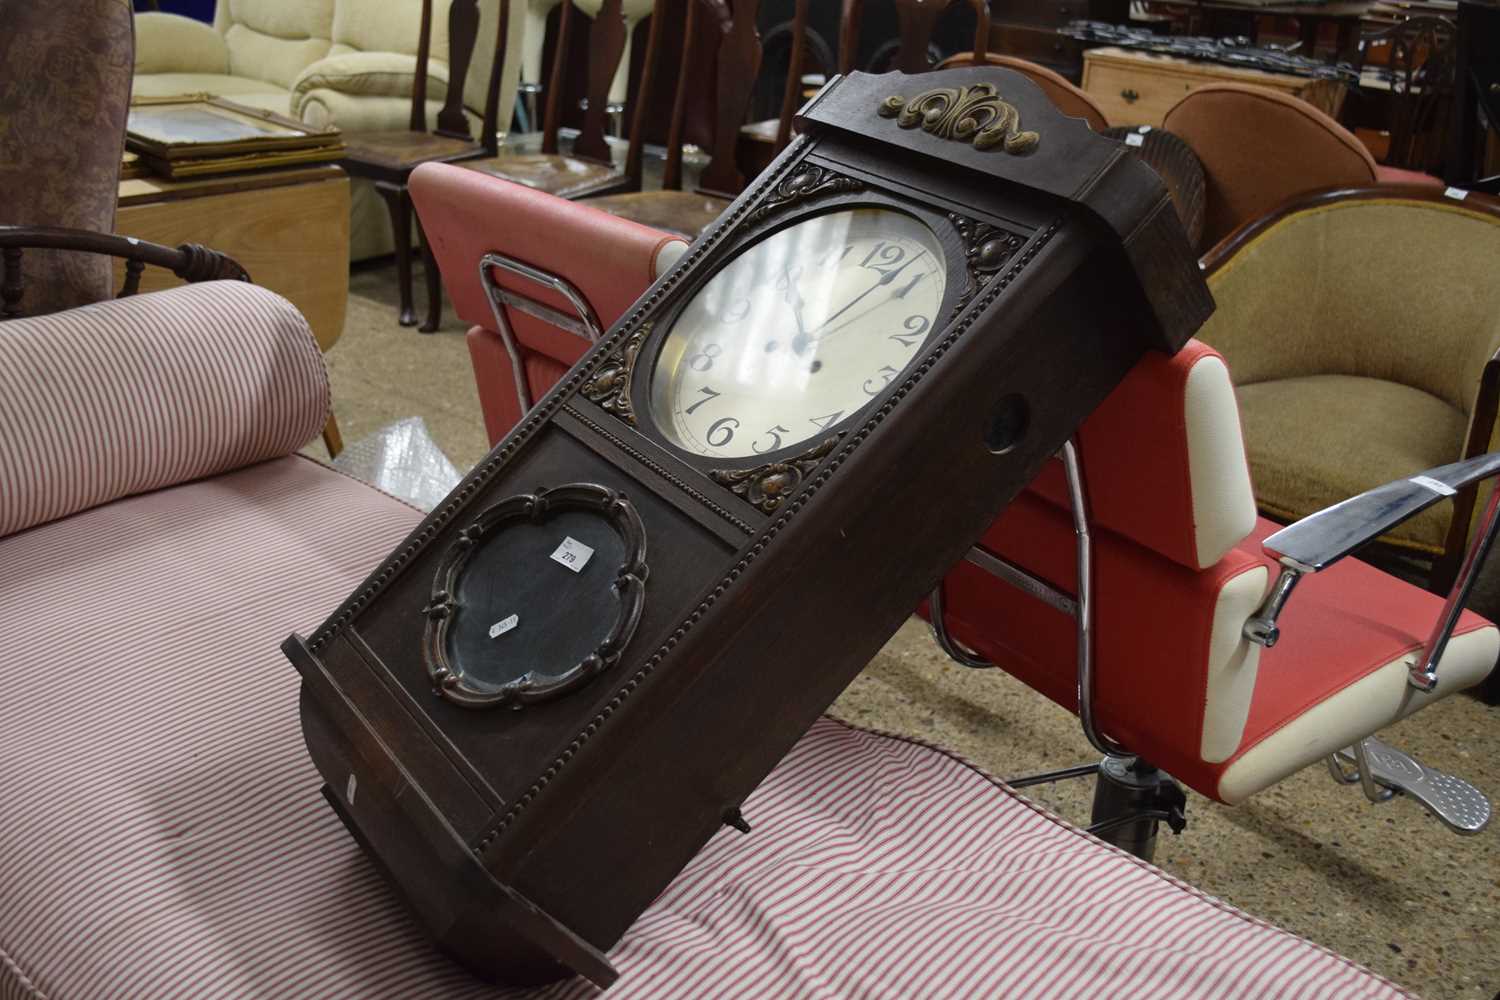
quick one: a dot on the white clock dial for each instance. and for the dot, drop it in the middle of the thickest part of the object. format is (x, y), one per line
(798, 333)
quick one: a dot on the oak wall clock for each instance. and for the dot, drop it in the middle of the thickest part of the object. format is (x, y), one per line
(547, 699)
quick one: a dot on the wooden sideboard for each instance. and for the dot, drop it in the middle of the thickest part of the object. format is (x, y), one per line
(1139, 88)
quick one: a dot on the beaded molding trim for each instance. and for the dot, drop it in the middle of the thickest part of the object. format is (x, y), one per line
(492, 834)
(645, 460)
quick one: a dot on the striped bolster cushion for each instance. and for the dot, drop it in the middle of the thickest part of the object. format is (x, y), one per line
(135, 394)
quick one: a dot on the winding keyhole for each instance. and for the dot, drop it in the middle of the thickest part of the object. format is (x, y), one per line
(1007, 424)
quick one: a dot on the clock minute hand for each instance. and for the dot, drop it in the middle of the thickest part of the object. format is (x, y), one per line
(885, 279)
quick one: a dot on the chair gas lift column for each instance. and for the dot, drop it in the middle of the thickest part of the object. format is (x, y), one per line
(1163, 627)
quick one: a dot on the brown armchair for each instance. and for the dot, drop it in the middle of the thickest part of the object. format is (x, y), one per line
(1362, 328)
(1259, 147)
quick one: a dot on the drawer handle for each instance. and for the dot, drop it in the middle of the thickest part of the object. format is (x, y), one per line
(1130, 96)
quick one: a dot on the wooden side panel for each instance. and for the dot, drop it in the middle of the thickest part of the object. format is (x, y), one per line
(293, 239)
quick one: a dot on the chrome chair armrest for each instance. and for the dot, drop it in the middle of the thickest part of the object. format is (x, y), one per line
(1322, 539)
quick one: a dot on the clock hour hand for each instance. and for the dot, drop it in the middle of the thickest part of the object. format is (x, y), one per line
(792, 295)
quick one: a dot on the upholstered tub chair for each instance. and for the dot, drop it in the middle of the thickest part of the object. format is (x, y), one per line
(348, 63)
(1362, 327)
(1259, 147)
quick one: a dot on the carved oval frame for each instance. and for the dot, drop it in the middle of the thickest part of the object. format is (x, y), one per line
(629, 586)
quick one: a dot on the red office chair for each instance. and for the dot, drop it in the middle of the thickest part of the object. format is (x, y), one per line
(1133, 583)
(540, 289)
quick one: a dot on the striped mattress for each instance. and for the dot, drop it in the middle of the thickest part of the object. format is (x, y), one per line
(162, 836)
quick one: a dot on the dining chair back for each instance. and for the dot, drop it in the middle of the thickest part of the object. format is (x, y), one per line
(916, 21)
(388, 158)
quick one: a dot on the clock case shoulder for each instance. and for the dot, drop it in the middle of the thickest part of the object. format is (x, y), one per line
(1108, 184)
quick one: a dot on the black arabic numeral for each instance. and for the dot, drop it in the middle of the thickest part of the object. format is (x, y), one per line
(710, 351)
(909, 286)
(889, 374)
(884, 258)
(775, 433)
(835, 256)
(916, 327)
(726, 424)
(826, 421)
(709, 394)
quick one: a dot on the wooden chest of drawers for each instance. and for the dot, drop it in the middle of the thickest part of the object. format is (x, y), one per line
(1138, 88)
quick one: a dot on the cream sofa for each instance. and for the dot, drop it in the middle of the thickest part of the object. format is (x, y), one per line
(348, 63)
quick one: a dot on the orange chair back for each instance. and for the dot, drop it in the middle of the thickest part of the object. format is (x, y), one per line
(1259, 147)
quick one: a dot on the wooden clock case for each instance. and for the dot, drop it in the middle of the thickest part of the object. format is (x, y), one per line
(527, 835)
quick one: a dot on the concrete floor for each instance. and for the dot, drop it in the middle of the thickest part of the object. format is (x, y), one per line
(1386, 886)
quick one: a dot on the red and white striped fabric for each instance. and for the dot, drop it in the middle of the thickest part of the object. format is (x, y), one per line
(234, 374)
(161, 834)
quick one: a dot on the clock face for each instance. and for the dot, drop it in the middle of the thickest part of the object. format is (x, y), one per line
(798, 333)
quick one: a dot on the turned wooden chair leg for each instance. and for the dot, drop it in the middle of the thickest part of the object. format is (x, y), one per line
(398, 201)
(332, 439)
(434, 284)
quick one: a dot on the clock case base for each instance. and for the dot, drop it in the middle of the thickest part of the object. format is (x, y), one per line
(528, 841)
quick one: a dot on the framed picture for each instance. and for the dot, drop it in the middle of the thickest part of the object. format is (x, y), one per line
(200, 135)
(201, 126)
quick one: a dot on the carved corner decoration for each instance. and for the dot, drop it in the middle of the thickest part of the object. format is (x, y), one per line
(629, 586)
(975, 114)
(809, 182)
(987, 248)
(610, 385)
(766, 486)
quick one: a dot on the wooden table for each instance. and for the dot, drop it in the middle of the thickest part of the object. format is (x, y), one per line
(289, 228)
(1139, 88)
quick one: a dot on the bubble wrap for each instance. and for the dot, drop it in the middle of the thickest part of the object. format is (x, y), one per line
(404, 461)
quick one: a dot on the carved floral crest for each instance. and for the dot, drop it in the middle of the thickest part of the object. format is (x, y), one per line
(974, 114)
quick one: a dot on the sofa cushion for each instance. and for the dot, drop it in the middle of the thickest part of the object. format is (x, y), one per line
(274, 40)
(174, 43)
(355, 114)
(241, 89)
(1309, 444)
(135, 394)
(162, 833)
(382, 26)
(379, 74)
